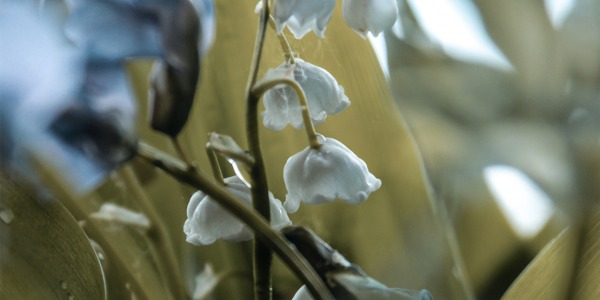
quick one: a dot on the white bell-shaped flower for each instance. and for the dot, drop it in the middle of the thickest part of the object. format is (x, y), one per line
(207, 221)
(324, 96)
(302, 16)
(370, 15)
(367, 288)
(321, 175)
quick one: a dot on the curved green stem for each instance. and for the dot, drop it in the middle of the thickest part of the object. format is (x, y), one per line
(262, 87)
(273, 239)
(263, 257)
(283, 41)
(179, 149)
(214, 164)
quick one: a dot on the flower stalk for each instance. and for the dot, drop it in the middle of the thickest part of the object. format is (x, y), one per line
(311, 134)
(214, 164)
(283, 41)
(263, 256)
(179, 149)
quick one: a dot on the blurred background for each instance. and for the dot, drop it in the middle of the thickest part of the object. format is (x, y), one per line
(502, 99)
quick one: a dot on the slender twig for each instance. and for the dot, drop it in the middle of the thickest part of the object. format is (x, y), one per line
(214, 164)
(262, 87)
(273, 239)
(159, 237)
(258, 46)
(263, 257)
(260, 201)
(283, 41)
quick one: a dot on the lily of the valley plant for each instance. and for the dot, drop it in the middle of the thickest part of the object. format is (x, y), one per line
(77, 121)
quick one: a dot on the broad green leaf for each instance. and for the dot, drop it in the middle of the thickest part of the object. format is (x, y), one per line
(548, 276)
(44, 253)
(588, 272)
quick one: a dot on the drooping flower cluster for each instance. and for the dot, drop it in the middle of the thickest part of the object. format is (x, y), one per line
(363, 16)
(207, 221)
(326, 170)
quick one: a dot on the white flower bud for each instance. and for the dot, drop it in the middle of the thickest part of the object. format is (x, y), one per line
(324, 96)
(302, 16)
(208, 221)
(370, 15)
(321, 175)
(117, 214)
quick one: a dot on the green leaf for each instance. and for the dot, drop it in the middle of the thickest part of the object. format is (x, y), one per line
(44, 254)
(550, 274)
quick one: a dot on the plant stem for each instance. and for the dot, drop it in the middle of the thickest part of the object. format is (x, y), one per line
(179, 150)
(262, 87)
(283, 41)
(275, 240)
(260, 201)
(288, 53)
(263, 256)
(161, 242)
(214, 164)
